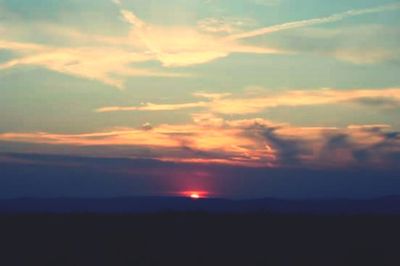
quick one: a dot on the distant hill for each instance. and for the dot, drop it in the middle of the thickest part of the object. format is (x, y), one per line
(385, 205)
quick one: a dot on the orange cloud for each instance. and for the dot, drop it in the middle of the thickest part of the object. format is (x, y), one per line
(237, 104)
(251, 142)
(153, 107)
(109, 59)
(226, 144)
(105, 64)
(180, 46)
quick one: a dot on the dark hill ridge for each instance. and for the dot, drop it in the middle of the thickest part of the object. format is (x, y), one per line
(384, 205)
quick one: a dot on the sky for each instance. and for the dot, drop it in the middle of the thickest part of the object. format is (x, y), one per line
(228, 98)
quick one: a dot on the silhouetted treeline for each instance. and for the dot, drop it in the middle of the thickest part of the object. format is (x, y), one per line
(199, 239)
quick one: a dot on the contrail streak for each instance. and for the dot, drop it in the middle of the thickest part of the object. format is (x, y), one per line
(315, 21)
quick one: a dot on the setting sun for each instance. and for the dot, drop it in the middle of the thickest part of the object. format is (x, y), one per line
(194, 196)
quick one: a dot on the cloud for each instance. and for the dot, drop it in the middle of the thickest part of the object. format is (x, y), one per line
(153, 107)
(289, 149)
(361, 44)
(179, 46)
(111, 59)
(315, 21)
(192, 142)
(183, 47)
(261, 142)
(247, 104)
(108, 65)
(379, 147)
(212, 139)
(385, 102)
(240, 105)
(225, 25)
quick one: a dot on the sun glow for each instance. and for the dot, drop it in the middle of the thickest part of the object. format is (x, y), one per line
(194, 196)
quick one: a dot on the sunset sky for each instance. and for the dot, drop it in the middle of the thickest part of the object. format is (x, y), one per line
(225, 98)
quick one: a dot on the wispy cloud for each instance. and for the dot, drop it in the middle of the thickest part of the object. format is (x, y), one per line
(112, 59)
(153, 107)
(224, 25)
(108, 65)
(315, 21)
(358, 44)
(246, 104)
(184, 46)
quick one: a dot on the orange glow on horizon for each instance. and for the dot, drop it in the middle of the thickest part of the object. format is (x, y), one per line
(195, 194)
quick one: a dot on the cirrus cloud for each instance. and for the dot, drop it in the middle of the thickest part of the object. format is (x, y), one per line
(111, 59)
(248, 104)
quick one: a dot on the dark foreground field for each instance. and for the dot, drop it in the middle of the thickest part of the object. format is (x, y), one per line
(199, 239)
